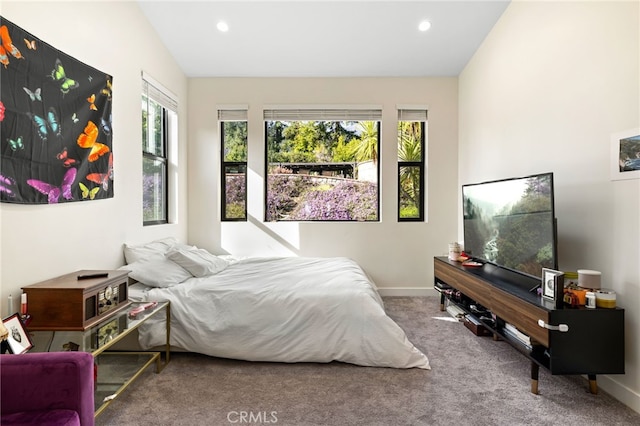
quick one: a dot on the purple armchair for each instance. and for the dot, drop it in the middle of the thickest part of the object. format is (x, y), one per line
(48, 388)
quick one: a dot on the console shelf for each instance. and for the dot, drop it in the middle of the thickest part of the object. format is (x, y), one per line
(592, 344)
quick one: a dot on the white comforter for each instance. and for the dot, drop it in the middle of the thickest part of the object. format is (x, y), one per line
(287, 309)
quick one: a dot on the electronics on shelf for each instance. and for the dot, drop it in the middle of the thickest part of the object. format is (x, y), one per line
(78, 300)
(496, 214)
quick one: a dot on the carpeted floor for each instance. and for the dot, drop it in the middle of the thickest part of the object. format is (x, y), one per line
(473, 381)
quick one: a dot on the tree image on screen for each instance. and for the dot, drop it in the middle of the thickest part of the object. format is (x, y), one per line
(510, 223)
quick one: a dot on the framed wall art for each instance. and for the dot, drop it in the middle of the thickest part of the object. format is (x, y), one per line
(18, 340)
(625, 154)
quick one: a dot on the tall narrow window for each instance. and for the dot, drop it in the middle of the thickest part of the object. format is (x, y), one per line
(158, 112)
(411, 155)
(322, 164)
(233, 137)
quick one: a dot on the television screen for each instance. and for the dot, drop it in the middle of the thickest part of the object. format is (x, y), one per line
(511, 223)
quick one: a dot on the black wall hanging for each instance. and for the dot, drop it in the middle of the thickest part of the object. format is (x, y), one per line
(55, 124)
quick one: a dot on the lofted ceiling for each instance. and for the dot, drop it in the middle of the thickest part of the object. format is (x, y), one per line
(306, 38)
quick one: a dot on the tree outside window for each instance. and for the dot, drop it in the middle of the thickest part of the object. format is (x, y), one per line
(154, 162)
(411, 140)
(234, 170)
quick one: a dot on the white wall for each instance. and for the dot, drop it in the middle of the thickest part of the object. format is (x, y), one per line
(44, 241)
(396, 255)
(547, 88)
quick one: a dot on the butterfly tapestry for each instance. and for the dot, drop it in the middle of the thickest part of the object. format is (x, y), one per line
(55, 123)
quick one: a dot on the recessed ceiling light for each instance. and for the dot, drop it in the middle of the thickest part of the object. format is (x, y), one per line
(424, 25)
(222, 26)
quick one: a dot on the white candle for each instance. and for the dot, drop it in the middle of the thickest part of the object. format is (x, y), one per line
(23, 304)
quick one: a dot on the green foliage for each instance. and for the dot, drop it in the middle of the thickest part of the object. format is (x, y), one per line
(520, 235)
(545, 255)
(409, 211)
(152, 132)
(235, 211)
(367, 147)
(344, 151)
(275, 141)
(235, 140)
(321, 141)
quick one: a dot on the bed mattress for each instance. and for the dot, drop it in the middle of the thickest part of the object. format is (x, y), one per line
(287, 309)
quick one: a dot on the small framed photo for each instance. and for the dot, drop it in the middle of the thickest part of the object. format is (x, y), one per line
(18, 340)
(625, 155)
(553, 286)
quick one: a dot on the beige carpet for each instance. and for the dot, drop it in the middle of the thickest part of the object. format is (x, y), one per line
(473, 381)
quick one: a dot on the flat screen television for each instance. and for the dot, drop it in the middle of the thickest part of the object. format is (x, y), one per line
(511, 223)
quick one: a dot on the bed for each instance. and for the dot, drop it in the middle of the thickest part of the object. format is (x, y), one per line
(280, 309)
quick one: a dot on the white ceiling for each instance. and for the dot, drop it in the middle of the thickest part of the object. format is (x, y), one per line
(322, 38)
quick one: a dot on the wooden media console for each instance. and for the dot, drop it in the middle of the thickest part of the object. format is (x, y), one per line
(564, 341)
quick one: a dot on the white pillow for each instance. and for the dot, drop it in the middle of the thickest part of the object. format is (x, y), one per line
(154, 249)
(157, 272)
(199, 262)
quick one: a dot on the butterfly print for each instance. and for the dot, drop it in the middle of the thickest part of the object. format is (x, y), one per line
(5, 182)
(91, 99)
(30, 44)
(86, 192)
(106, 91)
(45, 124)
(35, 95)
(52, 192)
(1, 111)
(75, 118)
(103, 178)
(88, 138)
(59, 74)
(106, 125)
(66, 161)
(7, 48)
(16, 144)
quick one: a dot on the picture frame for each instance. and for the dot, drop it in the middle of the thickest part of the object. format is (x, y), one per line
(625, 147)
(553, 286)
(18, 341)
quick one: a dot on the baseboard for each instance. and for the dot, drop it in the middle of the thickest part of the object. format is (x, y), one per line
(619, 391)
(407, 291)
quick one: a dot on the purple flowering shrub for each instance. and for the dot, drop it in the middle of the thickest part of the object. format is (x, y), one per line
(347, 200)
(151, 186)
(283, 193)
(298, 197)
(235, 191)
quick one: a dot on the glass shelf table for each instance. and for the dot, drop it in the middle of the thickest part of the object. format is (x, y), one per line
(116, 370)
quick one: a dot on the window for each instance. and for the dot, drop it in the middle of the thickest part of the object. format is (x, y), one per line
(233, 137)
(158, 112)
(411, 154)
(322, 164)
